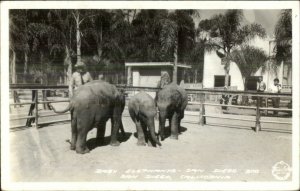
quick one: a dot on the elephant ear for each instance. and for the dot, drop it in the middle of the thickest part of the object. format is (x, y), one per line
(137, 109)
(119, 100)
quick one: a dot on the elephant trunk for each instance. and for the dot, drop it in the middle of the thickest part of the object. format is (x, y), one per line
(151, 127)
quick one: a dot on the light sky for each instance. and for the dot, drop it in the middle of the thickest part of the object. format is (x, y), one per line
(267, 18)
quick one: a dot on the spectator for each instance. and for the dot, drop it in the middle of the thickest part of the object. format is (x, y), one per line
(276, 88)
(261, 87)
(225, 98)
(79, 77)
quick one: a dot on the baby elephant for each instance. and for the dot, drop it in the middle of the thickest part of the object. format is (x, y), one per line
(142, 111)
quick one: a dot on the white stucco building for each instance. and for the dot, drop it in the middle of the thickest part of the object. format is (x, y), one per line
(214, 74)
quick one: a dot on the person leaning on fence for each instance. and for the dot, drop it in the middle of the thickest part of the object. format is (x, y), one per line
(164, 80)
(276, 88)
(261, 87)
(225, 98)
(79, 77)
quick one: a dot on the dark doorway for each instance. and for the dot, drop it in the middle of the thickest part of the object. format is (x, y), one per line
(220, 81)
(251, 82)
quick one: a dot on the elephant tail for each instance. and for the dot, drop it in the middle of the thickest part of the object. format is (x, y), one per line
(60, 111)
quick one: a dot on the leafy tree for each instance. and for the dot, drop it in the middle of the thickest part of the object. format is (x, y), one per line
(43, 39)
(18, 40)
(146, 30)
(225, 32)
(63, 22)
(178, 35)
(249, 59)
(46, 46)
(107, 37)
(283, 37)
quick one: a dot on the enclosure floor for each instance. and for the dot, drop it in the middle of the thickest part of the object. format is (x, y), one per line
(44, 155)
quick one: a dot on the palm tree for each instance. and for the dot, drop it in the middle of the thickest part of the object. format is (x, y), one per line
(249, 59)
(283, 37)
(225, 32)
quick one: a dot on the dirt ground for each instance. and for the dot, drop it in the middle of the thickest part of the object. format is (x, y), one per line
(222, 150)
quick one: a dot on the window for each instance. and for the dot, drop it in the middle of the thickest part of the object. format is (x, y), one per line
(220, 81)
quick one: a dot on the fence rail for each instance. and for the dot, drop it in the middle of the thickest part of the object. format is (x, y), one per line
(202, 93)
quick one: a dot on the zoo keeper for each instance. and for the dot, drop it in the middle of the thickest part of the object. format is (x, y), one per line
(80, 77)
(261, 87)
(276, 88)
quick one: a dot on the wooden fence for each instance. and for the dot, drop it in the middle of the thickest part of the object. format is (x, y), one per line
(202, 94)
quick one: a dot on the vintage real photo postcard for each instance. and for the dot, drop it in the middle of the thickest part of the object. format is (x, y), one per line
(154, 95)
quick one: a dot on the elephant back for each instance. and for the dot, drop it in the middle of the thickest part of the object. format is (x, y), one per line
(100, 87)
(96, 92)
(143, 102)
(174, 94)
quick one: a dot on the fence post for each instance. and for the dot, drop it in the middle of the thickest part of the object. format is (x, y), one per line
(257, 123)
(36, 108)
(45, 105)
(202, 118)
(266, 100)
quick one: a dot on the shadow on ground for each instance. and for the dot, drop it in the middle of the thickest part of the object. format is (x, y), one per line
(168, 131)
(94, 142)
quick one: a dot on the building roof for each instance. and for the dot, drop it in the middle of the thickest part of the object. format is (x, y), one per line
(169, 64)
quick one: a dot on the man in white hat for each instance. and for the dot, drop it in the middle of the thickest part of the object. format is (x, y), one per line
(79, 77)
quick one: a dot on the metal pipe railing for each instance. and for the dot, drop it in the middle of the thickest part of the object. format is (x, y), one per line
(202, 103)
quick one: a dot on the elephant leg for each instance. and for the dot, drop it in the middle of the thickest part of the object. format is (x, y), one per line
(74, 133)
(174, 126)
(140, 133)
(122, 129)
(179, 127)
(82, 131)
(162, 123)
(114, 130)
(147, 136)
(101, 131)
(179, 121)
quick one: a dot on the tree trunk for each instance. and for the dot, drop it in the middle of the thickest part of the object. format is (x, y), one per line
(68, 62)
(245, 83)
(227, 68)
(99, 42)
(78, 38)
(245, 99)
(175, 62)
(13, 68)
(78, 45)
(42, 70)
(25, 68)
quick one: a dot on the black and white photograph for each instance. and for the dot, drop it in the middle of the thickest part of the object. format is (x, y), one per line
(155, 95)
